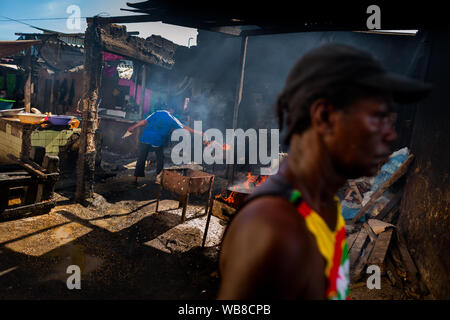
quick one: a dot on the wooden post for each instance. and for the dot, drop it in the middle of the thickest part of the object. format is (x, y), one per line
(237, 103)
(143, 84)
(208, 204)
(136, 83)
(86, 153)
(27, 89)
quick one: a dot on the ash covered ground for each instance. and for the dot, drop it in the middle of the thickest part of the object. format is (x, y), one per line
(125, 250)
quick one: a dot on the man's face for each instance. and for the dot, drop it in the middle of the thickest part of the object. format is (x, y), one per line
(360, 137)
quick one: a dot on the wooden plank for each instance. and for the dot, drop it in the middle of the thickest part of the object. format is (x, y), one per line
(372, 235)
(237, 102)
(351, 240)
(357, 247)
(394, 202)
(379, 226)
(143, 88)
(89, 123)
(397, 175)
(406, 258)
(380, 249)
(391, 272)
(357, 271)
(28, 210)
(15, 181)
(27, 166)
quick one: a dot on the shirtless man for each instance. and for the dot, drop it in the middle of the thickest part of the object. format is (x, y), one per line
(288, 241)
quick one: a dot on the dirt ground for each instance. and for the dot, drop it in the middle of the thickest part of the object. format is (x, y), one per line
(125, 249)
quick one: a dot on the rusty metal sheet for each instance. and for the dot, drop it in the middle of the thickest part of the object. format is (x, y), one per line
(184, 181)
(174, 182)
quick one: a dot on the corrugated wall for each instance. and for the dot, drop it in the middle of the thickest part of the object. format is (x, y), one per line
(424, 218)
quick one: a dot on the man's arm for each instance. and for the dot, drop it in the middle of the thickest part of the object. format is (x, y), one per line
(193, 131)
(137, 125)
(262, 252)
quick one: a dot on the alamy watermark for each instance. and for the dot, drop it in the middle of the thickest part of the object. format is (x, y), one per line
(74, 280)
(374, 20)
(224, 151)
(73, 22)
(374, 281)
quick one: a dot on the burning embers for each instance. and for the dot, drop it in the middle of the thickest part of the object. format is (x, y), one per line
(236, 195)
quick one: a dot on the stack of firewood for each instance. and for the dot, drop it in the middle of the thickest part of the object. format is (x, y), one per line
(378, 242)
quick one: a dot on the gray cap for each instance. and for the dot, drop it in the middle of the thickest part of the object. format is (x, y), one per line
(340, 64)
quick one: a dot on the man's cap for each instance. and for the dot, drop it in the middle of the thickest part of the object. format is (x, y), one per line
(332, 64)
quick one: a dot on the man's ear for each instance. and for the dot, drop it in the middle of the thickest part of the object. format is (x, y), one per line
(322, 116)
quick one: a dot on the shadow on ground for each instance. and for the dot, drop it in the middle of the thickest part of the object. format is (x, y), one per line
(114, 265)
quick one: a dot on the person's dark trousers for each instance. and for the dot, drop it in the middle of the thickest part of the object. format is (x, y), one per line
(144, 149)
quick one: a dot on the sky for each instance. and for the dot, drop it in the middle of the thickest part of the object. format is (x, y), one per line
(57, 11)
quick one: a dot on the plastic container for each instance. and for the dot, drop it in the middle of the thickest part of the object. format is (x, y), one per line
(31, 118)
(60, 120)
(6, 104)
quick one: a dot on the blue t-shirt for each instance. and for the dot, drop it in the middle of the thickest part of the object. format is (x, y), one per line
(160, 124)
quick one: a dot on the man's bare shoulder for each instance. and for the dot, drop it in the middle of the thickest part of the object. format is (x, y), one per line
(266, 243)
(269, 224)
(276, 213)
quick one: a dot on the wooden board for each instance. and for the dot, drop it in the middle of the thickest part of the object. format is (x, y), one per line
(394, 202)
(28, 210)
(372, 235)
(397, 175)
(357, 247)
(406, 258)
(379, 226)
(351, 240)
(357, 271)
(380, 249)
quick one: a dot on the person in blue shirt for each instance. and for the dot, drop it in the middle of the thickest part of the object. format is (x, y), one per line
(159, 124)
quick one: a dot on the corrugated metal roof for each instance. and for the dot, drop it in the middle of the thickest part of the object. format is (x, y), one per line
(8, 48)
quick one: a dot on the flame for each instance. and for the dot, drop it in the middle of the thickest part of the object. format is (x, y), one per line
(250, 179)
(251, 182)
(226, 147)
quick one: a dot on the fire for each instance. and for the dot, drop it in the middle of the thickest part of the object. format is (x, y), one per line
(250, 179)
(251, 182)
(226, 147)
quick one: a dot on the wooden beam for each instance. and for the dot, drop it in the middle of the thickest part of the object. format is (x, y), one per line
(28, 210)
(389, 206)
(232, 31)
(358, 245)
(380, 249)
(123, 19)
(120, 47)
(28, 167)
(359, 268)
(406, 258)
(394, 178)
(238, 98)
(372, 235)
(27, 89)
(351, 240)
(86, 152)
(143, 85)
(379, 226)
